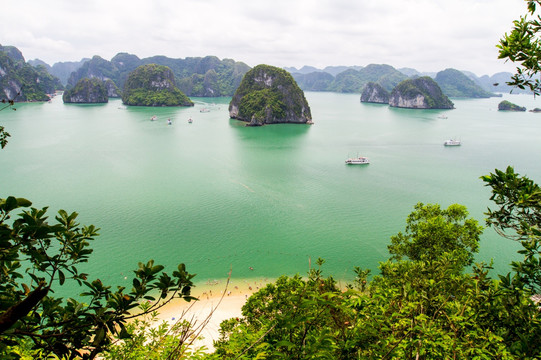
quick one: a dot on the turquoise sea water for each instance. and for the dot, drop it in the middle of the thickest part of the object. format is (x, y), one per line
(215, 194)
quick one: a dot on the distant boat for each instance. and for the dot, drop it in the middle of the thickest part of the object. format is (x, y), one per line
(190, 120)
(204, 110)
(442, 117)
(310, 122)
(361, 160)
(452, 142)
(153, 117)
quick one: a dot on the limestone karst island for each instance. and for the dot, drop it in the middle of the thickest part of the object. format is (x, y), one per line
(269, 95)
(153, 85)
(417, 93)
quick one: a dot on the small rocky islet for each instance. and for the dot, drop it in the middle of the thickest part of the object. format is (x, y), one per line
(509, 106)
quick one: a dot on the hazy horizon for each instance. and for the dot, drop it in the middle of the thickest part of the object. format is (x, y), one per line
(427, 35)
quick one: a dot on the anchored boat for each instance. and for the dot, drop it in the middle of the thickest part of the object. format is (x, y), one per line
(361, 160)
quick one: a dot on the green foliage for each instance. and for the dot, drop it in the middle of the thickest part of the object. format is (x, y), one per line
(427, 310)
(3, 137)
(3, 133)
(153, 85)
(425, 307)
(518, 218)
(259, 102)
(523, 46)
(34, 256)
(149, 339)
(292, 318)
(432, 232)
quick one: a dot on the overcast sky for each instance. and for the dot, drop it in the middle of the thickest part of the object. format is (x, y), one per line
(427, 35)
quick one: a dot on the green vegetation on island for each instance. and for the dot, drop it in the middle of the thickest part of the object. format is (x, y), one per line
(20, 81)
(269, 95)
(196, 76)
(509, 106)
(454, 83)
(419, 93)
(153, 85)
(87, 91)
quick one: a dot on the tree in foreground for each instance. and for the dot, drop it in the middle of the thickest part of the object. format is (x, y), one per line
(432, 232)
(523, 46)
(37, 257)
(518, 218)
(293, 318)
(423, 304)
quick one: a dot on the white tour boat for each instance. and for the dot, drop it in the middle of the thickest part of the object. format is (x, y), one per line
(361, 160)
(452, 142)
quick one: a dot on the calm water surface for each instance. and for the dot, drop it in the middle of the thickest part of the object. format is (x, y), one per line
(215, 194)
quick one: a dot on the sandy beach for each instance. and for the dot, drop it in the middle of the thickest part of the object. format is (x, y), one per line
(216, 301)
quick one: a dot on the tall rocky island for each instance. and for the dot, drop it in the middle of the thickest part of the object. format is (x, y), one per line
(419, 93)
(269, 95)
(153, 85)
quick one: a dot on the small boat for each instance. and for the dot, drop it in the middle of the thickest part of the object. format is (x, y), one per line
(204, 110)
(361, 160)
(190, 121)
(310, 122)
(153, 117)
(452, 142)
(442, 117)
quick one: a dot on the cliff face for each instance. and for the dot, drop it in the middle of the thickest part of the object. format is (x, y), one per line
(97, 68)
(419, 93)
(112, 89)
(269, 95)
(374, 93)
(153, 85)
(20, 81)
(87, 91)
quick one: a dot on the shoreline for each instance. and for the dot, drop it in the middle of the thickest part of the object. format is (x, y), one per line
(212, 308)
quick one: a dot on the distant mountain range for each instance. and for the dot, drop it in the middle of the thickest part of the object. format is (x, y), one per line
(454, 83)
(209, 76)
